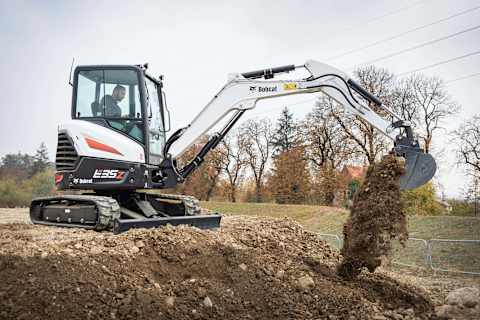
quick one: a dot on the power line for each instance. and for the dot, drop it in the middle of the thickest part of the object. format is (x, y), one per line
(440, 63)
(390, 13)
(464, 77)
(421, 45)
(373, 44)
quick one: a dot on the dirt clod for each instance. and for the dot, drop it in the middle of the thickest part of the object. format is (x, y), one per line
(468, 297)
(377, 217)
(207, 302)
(306, 283)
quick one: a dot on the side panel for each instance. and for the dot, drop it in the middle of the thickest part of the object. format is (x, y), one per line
(95, 141)
(99, 174)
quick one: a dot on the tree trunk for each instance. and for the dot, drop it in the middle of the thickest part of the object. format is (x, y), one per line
(258, 192)
(233, 192)
(211, 187)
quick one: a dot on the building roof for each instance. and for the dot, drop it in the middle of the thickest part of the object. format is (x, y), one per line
(354, 172)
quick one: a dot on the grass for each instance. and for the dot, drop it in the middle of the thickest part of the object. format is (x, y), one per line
(456, 256)
(330, 220)
(314, 218)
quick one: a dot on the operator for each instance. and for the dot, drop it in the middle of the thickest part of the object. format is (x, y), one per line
(111, 101)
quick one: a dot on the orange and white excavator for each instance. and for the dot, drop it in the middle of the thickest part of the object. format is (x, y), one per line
(116, 144)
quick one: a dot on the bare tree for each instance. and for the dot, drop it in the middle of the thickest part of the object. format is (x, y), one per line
(467, 138)
(204, 180)
(419, 99)
(215, 162)
(432, 104)
(403, 101)
(233, 148)
(258, 136)
(325, 140)
(467, 141)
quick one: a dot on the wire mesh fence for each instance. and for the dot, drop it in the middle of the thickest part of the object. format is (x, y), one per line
(413, 254)
(459, 256)
(444, 255)
(332, 239)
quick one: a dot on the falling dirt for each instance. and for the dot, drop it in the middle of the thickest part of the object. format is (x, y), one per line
(252, 268)
(377, 217)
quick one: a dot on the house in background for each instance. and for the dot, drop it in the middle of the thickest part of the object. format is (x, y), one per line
(351, 177)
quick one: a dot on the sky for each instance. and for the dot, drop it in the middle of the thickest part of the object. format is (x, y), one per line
(196, 44)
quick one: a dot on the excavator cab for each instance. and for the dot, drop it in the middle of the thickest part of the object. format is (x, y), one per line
(124, 99)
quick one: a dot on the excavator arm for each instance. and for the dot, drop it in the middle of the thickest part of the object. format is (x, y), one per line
(243, 91)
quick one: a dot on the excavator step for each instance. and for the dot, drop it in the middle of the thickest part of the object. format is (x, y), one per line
(200, 221)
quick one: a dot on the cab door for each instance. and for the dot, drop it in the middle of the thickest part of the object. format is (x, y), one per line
(156, 129)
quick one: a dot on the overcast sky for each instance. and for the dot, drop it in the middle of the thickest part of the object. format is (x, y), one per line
(195, 44)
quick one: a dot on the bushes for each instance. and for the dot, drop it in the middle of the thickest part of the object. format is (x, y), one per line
(12, 194)
(422, 201)
(462, 208)
(17, 193)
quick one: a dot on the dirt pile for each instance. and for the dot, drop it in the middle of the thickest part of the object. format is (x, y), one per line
(253, 268)
(377, 217)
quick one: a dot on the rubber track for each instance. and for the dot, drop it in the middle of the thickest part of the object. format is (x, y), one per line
(108, 208)
(191, 204)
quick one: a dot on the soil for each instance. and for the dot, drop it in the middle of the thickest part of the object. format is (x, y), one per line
(252, 268)
(377, 217)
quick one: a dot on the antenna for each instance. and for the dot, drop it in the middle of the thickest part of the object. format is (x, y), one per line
(70, 76)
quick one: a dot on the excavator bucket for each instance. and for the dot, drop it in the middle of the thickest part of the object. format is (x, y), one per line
(420, 167)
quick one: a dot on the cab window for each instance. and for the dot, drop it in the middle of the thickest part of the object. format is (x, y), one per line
(112, 95)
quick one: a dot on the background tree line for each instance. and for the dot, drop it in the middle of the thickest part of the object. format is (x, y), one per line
(23, 177)
(305, 160)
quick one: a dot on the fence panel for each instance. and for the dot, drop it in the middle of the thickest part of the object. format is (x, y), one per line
(459, 256)
(414, 254)
(446, 255)
(332, 239)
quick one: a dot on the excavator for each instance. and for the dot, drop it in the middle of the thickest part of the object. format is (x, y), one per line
(115, 147)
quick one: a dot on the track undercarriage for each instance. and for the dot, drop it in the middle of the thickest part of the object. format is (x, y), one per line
(120, 211)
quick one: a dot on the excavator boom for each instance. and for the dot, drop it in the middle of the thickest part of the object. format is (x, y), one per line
(243, 91)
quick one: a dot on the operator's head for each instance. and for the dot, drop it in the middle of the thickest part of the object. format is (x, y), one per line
(118, 93)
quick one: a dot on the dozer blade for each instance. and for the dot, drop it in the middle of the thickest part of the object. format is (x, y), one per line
(211, 221)
(420, 167)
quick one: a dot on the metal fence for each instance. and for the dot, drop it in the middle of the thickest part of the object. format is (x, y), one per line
(442, 255)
